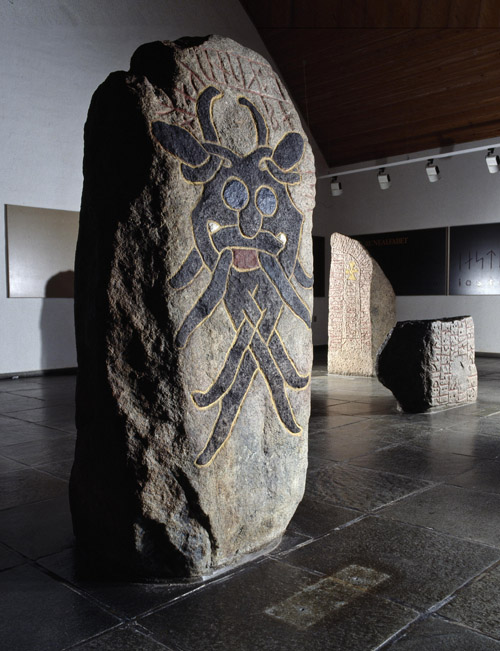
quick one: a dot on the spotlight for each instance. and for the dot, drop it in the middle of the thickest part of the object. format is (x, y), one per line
(432, 171)
(493, 161)
(384, 180)
(336, 187)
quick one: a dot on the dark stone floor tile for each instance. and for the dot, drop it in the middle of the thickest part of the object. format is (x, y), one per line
(331, 421)
(60, 417)
(38, 529)
(377, 406)
(314, 463)
(467, 514)
(447, 417)
(47, 450)
(487, 426)
(10, 385)
(273, 606)
(466, 441)
(12, 403)
(291, 540)
(355, 440)
(13, 430)
(485, 476)
(126, 638)
(40, 613)
(8, 465)
(418, 462)
(61, 469)
(477, 605)
(28, 485)
(52, 395)
(423, 567)
(359, 488)
(317, 518)
(122, 598)
(9, 558)
(436, 634)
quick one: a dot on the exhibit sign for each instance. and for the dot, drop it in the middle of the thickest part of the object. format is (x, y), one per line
(415, 262)
(475, 259)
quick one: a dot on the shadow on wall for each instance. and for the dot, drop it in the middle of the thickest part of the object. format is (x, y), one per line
(58, 349)
(62, 285)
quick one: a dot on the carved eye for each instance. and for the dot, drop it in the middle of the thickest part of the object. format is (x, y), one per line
(235, 194)
(266, 201)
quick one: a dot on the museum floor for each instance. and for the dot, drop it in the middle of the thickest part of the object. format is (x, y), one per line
(396, 544)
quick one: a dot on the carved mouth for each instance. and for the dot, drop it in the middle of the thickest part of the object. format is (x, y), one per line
(245, 259)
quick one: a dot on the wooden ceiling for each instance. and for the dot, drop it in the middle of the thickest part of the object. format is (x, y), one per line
(378, 78)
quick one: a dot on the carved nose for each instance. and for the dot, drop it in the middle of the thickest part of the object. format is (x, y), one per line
(250, 221)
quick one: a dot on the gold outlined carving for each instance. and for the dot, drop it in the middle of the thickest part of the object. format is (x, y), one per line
(228, 229)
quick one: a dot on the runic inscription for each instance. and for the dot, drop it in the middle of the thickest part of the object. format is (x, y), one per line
(357, 324)
(453, 349)
(430, 364)
(246, 234)
(192, 310)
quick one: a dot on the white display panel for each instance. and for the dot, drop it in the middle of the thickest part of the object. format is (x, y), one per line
(41, 247)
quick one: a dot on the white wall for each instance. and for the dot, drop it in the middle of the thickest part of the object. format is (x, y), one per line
(466, 194)
(53, 55)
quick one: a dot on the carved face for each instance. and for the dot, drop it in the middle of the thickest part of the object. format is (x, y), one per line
(245, 204)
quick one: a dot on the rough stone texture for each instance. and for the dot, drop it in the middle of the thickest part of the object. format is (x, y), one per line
(430, 364)
(362, 308)
(193, 303)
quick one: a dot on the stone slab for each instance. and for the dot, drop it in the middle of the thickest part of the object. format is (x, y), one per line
(362, 308)
(430, 363)
(193, 301)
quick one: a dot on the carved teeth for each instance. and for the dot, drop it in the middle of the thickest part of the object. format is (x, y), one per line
(281, 237)
(213, 227)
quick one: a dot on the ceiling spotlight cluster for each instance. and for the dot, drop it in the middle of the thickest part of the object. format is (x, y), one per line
(431, 168)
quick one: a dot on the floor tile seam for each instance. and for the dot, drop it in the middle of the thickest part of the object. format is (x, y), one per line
(25, 504)
(197, 588)
(472, 490)
(467, 627)
(397, 500)
(469, 582)
(381, 449)
(335, 502)
(439, 532)
(388, 472)
(321, 537)
(36, 464)
(398, 634)
(79, 591)
(51, 474)
(348, 460)
(488, 437)
(419, 478)
(308, 538)
(361, 419)
(80, 643)
(36, 423)
(24, 469)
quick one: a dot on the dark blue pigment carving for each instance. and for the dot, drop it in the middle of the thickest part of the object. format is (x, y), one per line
(247, 234)
(266, 201)
(235, 194)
